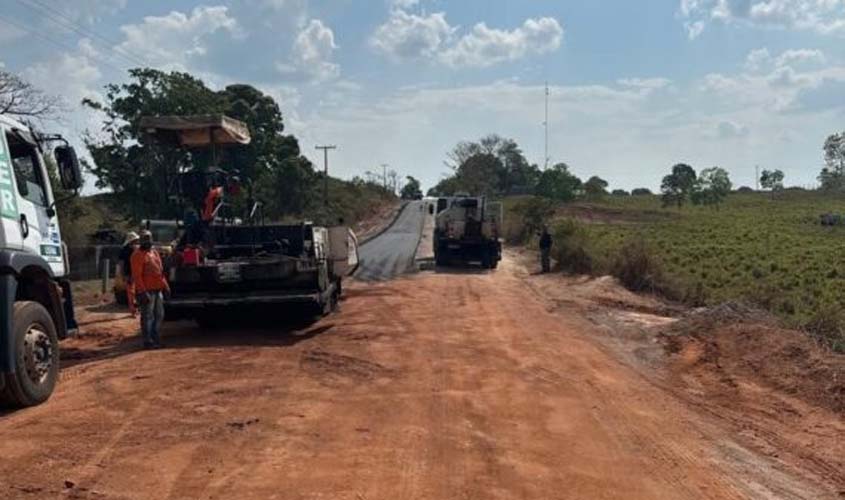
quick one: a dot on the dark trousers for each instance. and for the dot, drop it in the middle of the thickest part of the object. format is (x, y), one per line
(546, 259)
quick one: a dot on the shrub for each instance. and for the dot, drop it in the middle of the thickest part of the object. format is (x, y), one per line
(639, 269)
(827, 326)
(527, 219)
(572, 248)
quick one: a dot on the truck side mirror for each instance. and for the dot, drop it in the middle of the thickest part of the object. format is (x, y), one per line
(69, 171)
(431, 210)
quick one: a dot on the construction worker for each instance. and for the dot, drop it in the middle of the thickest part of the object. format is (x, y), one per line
(130, 244)
(545, 249)
(215, 194)
(150, 288)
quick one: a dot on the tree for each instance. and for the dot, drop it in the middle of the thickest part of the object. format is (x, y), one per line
(595, 187)
(641, 192)
(832, 176)
(480, 174)
(558, 183)
(711, 187)
(677, 186)
(20, 98)
(773, 180)
(535, 212)
(411, 190)
(620, 192)
(142, 173)
(514, 174)
(448, 186)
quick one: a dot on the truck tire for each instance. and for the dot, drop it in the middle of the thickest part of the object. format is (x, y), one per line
(36, 357)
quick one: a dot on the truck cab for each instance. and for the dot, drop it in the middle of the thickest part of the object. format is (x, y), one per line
(36, 307)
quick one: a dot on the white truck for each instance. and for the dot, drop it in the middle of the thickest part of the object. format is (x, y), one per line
(36, 307)
(467, 230)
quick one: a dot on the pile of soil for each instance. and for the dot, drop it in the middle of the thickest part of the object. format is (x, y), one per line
(736, 342)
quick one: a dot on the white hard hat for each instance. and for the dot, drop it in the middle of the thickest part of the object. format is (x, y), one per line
(130, 237)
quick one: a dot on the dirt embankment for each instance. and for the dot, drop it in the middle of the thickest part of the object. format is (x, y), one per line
(779, 391)
(735, 340)
(375, 223)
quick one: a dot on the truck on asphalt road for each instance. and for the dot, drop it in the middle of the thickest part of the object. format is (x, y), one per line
(225, 260)
(36, 305)
(467, 230)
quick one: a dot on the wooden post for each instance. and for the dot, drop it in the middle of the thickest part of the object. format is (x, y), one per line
(105, 274)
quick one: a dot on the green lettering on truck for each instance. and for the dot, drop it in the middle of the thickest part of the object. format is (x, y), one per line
(8, 204)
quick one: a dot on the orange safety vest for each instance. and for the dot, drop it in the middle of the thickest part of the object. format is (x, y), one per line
(148, 272)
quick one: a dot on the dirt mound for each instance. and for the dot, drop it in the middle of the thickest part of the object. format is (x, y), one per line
(734, 341)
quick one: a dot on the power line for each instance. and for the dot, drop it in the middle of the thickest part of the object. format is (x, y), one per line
(47, 39)
(62, 20)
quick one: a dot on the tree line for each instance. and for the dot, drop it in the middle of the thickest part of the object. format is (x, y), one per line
(496, 166)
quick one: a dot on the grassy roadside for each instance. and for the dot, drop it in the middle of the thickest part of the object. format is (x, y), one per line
(772, 253)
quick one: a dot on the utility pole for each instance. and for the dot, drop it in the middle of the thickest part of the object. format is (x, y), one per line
(326, 172)
(546, 126)
(757, 177)
(384, 174)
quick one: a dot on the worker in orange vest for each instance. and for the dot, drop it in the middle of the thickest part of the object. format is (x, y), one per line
(150, 288)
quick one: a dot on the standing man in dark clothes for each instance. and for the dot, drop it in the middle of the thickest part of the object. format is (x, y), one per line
(129, 246)
(545, 249)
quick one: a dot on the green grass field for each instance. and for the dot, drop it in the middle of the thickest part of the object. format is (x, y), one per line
(772, 252)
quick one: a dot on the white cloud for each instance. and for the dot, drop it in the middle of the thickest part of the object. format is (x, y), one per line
(796, 80)
(757, 59)
(821, 16)
(312, 53)
(763, 60)
(801, 56)
(71, 76)
(485, 46)
(645, 84)
(171, 41)
(731, 130)
(409, 36)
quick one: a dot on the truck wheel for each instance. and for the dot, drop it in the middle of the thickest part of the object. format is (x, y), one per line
(36, 356)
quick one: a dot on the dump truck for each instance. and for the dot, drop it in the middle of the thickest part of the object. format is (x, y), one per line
(225, 260)
(36, 304)
(467, 230)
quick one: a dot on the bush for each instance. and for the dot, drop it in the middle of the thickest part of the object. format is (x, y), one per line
(827, 326)
(572, 248)
(640, 270)
(527, 218)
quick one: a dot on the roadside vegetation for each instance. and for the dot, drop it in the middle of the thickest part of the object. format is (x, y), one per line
(775, 254)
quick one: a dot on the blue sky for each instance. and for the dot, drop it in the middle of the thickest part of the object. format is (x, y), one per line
(635, 85)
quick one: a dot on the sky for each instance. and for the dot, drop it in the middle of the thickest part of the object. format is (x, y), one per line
(634, 86)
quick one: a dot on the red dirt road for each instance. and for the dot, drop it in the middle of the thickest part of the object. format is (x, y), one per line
(438, 386)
